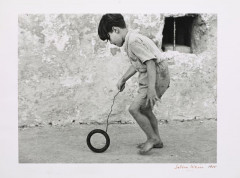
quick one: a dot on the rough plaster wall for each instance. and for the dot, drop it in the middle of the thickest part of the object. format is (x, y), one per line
(67, 74)
(193, 88)
(204, 34)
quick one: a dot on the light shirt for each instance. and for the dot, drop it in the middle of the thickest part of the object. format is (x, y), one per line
(139, 49)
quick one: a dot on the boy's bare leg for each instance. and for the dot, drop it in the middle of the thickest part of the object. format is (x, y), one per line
(154, 123)
(144, 123)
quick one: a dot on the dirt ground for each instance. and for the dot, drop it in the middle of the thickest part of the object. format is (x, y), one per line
(184, 142)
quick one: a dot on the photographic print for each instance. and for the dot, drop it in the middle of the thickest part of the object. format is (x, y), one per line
(117, 88)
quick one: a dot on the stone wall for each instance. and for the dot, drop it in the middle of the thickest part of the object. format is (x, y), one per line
(68, 75)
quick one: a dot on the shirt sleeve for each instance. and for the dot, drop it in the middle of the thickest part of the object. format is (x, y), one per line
(141, 51)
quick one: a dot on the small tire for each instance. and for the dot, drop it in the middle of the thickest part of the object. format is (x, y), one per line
(98, 150)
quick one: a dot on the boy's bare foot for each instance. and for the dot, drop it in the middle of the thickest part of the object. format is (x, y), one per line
(148, 146)
(157, 145)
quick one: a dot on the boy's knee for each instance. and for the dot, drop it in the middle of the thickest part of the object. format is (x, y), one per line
(133, 109)
(146, 110)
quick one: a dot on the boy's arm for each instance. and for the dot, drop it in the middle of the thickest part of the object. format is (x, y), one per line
(151, 71)
(130, 72)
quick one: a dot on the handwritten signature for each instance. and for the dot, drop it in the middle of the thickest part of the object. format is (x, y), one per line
(192, 166)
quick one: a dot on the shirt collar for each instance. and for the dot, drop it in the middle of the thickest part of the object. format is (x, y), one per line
(126, 40)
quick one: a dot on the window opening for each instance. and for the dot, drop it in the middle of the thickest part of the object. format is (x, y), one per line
(177, 33)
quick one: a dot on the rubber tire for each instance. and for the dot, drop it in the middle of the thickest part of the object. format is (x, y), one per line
(96, 150)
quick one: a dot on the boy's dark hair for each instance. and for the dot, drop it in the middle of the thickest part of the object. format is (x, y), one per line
(107, 22)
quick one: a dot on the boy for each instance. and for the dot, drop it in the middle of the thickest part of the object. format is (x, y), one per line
(153, 78)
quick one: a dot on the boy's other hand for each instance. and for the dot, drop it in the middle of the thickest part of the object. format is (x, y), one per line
(120, 85)
(152, 97)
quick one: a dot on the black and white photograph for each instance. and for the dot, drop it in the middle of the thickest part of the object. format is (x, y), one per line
(119, 89)
(142, 84)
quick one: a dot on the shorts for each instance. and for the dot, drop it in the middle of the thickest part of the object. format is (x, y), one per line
(162, 80)
(162, 84)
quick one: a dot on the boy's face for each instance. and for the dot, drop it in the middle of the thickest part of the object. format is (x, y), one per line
(115, 37)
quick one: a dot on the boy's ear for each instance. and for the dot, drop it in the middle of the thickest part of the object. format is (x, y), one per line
(115, 29)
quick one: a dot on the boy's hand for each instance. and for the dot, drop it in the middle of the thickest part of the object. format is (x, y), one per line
(121, 85)
(151, 97)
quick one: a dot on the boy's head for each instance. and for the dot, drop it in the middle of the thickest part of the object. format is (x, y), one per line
(112, 27)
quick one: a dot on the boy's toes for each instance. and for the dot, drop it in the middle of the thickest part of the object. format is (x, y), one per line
(144, 151)
(147, 147)
(140, 145)
(157, 145)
